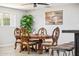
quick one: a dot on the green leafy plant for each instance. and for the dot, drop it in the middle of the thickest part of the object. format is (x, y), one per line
(27, 22)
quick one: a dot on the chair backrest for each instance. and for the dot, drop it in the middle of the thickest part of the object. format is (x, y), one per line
(17, 33)
(55, 36)
(42, 31)
(24, 35)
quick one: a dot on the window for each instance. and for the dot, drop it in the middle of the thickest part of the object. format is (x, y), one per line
(4, 19)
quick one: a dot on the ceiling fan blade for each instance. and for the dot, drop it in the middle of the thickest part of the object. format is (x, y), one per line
(43, 3)
(35, 4)
(27, 4)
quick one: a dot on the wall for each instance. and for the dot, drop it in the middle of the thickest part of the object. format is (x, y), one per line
(70, 20)
(7, 32)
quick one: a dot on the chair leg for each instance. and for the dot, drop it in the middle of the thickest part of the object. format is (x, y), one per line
(15, 45)
(64, 53)
(58, 52)
(36, 47)
(52, 53)
(21, 48)
(28, 49)
(69, 53)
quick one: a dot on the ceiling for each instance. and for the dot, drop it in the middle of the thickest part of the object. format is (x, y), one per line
(21, 6)
(30, 6)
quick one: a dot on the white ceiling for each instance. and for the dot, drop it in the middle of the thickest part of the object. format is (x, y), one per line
(29, 6)
(21, 6)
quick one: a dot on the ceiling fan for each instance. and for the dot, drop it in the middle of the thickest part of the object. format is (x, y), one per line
(36, 4)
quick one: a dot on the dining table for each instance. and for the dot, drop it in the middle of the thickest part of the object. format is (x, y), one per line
(40, 39)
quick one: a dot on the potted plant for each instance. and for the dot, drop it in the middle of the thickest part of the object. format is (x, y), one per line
(27, 22)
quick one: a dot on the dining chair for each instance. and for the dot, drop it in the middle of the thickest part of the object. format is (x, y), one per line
(66, 48)
(17, 34)
(55, 36)
(26, 44)
(43, 31)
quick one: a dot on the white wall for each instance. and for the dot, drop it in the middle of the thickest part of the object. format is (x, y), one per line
(7, 32)
(70, 20)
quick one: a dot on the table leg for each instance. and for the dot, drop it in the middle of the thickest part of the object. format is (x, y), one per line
(64, 53)
(40, 47)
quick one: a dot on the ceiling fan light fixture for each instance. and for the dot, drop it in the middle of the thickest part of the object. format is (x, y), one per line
(35, 5)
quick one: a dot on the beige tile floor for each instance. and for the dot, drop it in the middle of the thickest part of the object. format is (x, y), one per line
(10, 51)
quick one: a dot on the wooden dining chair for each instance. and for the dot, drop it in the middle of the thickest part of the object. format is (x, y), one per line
(17, 34)
(55, 36)
(66, 48)
(42, 31)
(26, 44)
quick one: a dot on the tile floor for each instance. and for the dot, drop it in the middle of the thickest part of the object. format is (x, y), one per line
(10, 51)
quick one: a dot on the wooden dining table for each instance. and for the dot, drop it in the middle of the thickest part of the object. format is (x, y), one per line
(40, 38)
